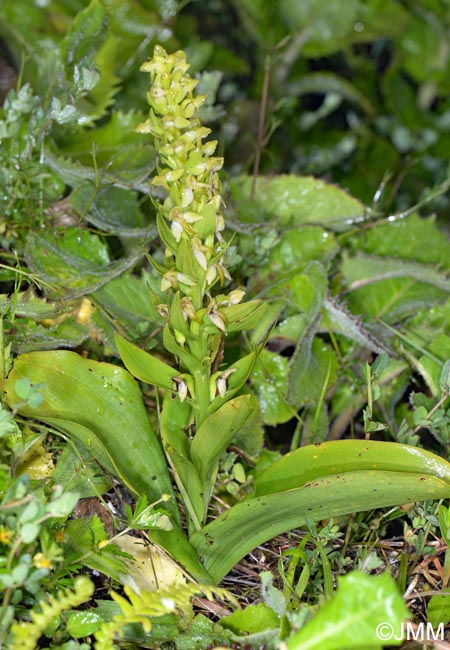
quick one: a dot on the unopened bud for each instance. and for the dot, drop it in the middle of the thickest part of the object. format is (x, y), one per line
(235, 296)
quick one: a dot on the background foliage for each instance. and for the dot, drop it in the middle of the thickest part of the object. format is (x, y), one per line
(355, 264)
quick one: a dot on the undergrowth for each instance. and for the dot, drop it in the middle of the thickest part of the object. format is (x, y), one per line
(283, 302)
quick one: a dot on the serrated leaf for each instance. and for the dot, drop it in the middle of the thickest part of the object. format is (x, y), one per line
(116, 135)
(27, 304)
(312, 368)
(101, 95)
(391, 296)
(83, 537)
(341, 321)
(79, 472)
(251, 620)
(112, 209)
(404, 239)
(73, 264)
(27, 337)
(133, 175)
(366, 270)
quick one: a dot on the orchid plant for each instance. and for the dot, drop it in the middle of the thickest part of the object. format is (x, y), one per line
(205, 404)
(197, 317)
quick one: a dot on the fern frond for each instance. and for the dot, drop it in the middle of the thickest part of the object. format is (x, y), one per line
(142, 607)
(26, 634)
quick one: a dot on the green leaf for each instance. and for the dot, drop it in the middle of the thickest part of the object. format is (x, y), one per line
(82, 541)
(391, 291)
(293, 252)
(101, 406)
(243, 368)
(251, 620)
(86, 34)
(293, 200)
(341, 321)
(327, 25)
(444, 380)
(355, 615)
(226, 540)
(271, 596)
(404, 239)
(128, 300)
(366, 270)
(311, 462)
(324, 82)
(215, 434)
(29, 532)
(73, 264)
(312, 370)
(83, 623)
(145, 366)
(27, 337)
(174, 423)
(268, 381)
(112, 209)
(26, 303)
(244, 316)
(63, 505)
(262, 21)
(80, 473)
(108, 140)
(438, 610)
(128, 169)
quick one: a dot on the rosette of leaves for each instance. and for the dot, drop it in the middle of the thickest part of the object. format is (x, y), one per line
(203, 407)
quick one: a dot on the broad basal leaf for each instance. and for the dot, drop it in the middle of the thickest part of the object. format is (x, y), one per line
(101, 406)
(227, 539)
(308, 463)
